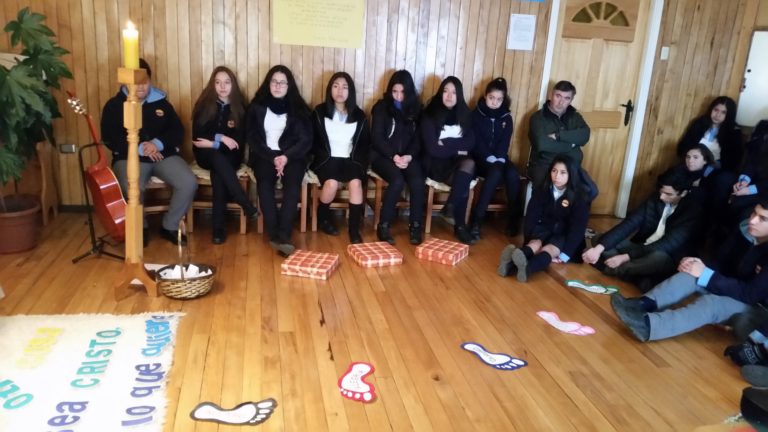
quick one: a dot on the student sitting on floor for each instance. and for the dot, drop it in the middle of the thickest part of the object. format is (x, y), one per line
(554, 223)
(752, 184)
(664, 227)
(733, 284)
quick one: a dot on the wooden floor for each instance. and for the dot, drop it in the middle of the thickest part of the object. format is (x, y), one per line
(259, 334)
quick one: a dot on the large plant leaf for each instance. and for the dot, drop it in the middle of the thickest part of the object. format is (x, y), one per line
(30, 30)
(47, 65)
(11, 165)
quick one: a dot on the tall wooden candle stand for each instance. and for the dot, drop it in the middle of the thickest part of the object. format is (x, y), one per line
(133, 268)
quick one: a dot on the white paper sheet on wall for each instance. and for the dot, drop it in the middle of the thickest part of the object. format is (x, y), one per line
(522, 31)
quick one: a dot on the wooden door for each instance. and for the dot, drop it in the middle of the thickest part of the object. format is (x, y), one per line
(599, 49)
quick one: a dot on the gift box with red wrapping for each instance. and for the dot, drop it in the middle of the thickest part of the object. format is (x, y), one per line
(378, 254)
(442, 251)
(315, 265)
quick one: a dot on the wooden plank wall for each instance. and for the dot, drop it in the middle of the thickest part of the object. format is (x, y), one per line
(708, 44)
(185, 39)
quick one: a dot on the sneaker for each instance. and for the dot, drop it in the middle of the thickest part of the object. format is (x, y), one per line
(631, 313)
(284, 249)
(521, 263)
(173, 236)
(505, 262)
(462, 234)
(415, 234)
(383, 234)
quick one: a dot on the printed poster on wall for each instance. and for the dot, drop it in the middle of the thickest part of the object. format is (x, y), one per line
(327, 23)
(522, 32)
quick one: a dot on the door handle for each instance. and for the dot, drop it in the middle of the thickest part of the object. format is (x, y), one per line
(628, 109)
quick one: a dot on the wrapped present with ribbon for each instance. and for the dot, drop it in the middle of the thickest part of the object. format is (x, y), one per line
(442, 251)
(309, 264)
(377, 254)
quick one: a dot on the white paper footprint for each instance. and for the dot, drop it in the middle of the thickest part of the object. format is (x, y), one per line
(497, 360)
(247, 413)
(593, 288)
(569, 327)
(352, 384)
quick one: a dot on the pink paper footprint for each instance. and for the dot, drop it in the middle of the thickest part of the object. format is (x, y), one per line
(569, 327)
(352, 384)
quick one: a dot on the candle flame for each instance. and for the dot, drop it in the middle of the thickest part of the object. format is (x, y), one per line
(130, 25)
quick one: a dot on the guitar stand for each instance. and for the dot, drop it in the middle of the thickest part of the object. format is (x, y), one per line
(97, 243)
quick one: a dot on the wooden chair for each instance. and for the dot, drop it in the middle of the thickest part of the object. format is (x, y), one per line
(441, 191)
(203, 196)
(303, 203)
(379, 184)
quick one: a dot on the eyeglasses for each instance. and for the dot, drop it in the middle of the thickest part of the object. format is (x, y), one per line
(279, 83)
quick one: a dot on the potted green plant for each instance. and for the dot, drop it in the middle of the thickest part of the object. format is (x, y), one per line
(27, 110)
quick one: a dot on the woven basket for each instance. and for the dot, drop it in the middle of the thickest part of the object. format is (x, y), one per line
(186, 287)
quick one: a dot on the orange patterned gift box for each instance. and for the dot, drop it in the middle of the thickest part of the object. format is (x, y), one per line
(378, 254)
(309, 264)
(442, 251)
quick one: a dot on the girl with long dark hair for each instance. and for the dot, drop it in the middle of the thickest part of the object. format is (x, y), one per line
(395, 154)
(280, 136)
(554, 224)
(218, 132)
(341, 150)
(448, 138)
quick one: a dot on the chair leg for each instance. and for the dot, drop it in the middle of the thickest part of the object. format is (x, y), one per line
(191, 219)
(303, 209)
(430, 205)
(315, 204)
(469, 205)
(377, 198)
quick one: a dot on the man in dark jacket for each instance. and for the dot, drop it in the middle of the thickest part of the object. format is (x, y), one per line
(556, 128)
(160, 137)
(663, 227)
(734, 284)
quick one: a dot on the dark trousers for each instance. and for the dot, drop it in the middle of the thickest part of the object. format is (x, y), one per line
(397, 179)
(224, 183)
(279, 224)
(494, 174)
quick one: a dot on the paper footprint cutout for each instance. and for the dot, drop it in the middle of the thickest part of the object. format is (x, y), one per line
(498, 360)
(593, 288)
(247, 413)
(569, 327)
(352, 384)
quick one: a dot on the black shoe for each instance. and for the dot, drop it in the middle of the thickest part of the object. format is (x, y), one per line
(474, 231)
(520, 261)
(506, 266)
(355, 237)
(462, 234)
(219, 237)
(283, 248)
(383, 234)
(252, 213)
(145, 237)
(328, 227)
(632, 315)
(415, 234)
(173, 236)
(756, 375)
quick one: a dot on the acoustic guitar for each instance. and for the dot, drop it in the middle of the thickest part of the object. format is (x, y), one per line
(108, 201)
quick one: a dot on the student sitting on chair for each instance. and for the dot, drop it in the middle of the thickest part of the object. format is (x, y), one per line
(554, 224)
(651, 240)
(280, 137)
(492, 123)
(395, 154)
(341, 152)
(446, 131)
(218, 136)
(160, 139)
